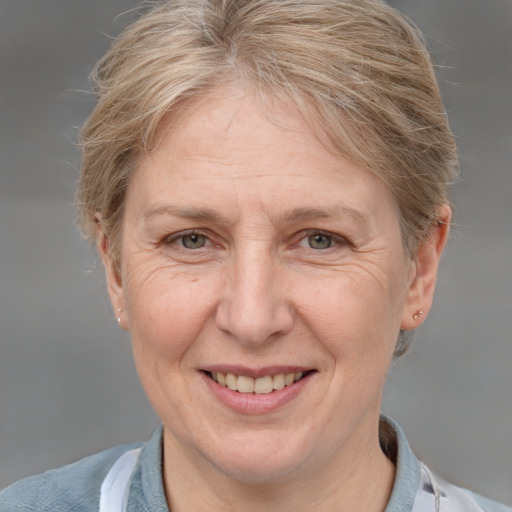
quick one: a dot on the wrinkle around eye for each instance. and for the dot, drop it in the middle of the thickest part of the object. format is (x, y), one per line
(347, 259)
(374, 263)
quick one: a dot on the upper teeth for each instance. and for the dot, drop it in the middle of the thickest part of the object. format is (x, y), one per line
(260, 385)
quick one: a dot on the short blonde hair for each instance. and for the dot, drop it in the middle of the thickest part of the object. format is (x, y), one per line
(358, 68)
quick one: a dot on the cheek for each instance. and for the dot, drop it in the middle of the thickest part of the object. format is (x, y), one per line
(167, 313)
(166, 309)
(354, 315)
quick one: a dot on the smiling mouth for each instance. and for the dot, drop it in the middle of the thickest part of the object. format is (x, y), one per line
(260, 385)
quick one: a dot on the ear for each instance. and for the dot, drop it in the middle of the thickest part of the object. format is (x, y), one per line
(113, 276)
(423, 272)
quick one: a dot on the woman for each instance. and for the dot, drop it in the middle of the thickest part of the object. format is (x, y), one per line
(266, 182)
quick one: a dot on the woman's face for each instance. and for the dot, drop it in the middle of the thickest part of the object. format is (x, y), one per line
(248, 249)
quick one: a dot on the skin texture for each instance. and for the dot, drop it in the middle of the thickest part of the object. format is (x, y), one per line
(261, 291)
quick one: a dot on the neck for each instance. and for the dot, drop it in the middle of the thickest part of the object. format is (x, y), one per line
(359, 479)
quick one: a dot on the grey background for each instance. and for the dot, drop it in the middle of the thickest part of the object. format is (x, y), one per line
(68, 386)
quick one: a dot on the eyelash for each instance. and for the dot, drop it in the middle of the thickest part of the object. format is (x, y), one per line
(175, 239)
(335, 240)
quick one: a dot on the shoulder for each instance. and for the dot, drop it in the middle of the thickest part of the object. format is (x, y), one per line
(72, 487)
(488, 505)
(417, 489)
(447, 497)
(459, 499)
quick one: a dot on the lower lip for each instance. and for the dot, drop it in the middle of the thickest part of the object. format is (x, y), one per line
(252, 403)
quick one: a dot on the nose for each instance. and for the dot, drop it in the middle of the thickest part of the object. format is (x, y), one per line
(254, 308)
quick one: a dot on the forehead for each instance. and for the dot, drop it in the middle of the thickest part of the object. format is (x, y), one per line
(221, 121)
(228, 143)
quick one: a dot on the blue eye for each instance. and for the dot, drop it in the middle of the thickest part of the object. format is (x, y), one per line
(320, 241)
(193, 241)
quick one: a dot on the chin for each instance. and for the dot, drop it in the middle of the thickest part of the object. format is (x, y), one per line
(259, 470)
(259, 459)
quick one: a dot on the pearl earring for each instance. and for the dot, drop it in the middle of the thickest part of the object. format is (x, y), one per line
(417, 314)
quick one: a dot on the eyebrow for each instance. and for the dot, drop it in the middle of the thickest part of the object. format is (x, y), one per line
(289, 217)
(185, 212)
(337, 211)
